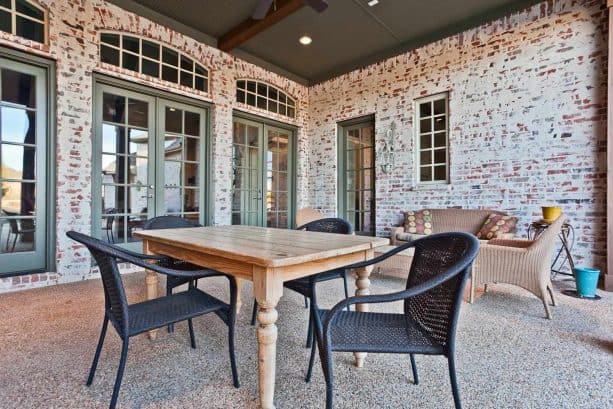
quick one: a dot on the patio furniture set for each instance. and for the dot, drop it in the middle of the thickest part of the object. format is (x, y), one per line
(273, 258)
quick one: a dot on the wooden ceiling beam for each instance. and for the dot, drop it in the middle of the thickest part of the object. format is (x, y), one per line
(250, 27)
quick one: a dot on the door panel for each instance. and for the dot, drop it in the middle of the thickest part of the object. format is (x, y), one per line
(23, 138)
(262, 189)
(357, 178)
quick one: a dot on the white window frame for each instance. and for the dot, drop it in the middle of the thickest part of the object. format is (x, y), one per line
(121, 50)
(14, 14)
(417, 128)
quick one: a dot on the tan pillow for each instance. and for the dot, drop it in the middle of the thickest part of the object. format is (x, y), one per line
(418, 222)
(497, 225)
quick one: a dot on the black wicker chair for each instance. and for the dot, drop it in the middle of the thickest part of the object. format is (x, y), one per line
(432, 300)
(134, 319)
(303, 285)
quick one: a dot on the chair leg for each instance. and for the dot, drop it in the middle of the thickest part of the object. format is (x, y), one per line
(171, 327)
(122, 366)
(191, 333)
(254, 312)
(346, 289)
(92, 370)
(306, 302)
(311, 362)
(310, 336)
(233, 356)
(484, 288)
(414, 368)
(454, 382)
(14, 242)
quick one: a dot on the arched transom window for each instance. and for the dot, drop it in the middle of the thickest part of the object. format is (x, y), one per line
(24, 19)
(264, 96)
(153, 59)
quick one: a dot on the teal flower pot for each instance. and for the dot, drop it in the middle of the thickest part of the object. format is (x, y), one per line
(586, 279)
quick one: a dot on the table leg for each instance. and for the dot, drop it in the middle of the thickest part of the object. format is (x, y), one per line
(267, 289)
(151, 282)
(362, 284)
(239, 299)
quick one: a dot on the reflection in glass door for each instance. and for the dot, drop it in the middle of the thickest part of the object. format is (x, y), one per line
(23, 136)
(356, 178)
(262, 188)
(149, 161)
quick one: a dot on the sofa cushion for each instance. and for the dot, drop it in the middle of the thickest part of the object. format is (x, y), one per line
(497, 225)
(418, 222)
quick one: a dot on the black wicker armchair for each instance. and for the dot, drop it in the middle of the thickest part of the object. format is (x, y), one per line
(303, 285)
(133, 319)
(432, 300)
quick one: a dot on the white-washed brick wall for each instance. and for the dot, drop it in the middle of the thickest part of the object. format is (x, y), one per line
(527, 120)
(74, 28)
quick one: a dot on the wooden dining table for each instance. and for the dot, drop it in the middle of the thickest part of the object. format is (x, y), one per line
(268, 257)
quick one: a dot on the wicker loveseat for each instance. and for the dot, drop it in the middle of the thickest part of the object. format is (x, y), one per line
(449, 220)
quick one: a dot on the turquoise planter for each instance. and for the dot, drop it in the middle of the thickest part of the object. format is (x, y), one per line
(586, 279)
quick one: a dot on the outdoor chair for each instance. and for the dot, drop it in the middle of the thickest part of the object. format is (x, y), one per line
(303, 285)
(16, 230)
(432, 300)
(133, 319)
(524, 263)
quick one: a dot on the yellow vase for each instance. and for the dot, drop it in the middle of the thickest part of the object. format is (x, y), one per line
(551, 213)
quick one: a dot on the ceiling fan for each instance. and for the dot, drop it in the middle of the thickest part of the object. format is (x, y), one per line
(264, 5)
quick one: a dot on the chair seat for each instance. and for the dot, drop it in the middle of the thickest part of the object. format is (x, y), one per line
(379, 332)
(302, 285)
(159, 312)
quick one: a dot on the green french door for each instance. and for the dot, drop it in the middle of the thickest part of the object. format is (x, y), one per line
(23, 152)
(262, 188)
(357, 176)
(149, 155)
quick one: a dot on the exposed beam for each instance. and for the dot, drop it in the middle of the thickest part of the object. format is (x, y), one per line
(250, 27)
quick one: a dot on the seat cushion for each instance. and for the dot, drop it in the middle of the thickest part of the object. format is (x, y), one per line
(379, 332)
(409, 237)
(418, 222)
(159, 312)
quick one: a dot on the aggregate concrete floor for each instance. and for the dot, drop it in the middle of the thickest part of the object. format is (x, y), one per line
(509, 355)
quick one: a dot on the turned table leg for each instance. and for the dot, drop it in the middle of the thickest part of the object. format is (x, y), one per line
(362, 284)
(151, 282)
(268, 288)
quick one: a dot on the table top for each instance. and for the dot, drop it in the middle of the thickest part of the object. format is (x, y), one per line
(263, 246)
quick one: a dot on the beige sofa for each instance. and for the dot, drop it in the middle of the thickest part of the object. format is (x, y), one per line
(448, 220)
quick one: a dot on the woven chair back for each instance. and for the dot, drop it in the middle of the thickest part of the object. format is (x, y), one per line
(328, 225)
(169, 222)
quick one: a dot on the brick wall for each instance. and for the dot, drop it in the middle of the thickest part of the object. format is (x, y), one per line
(74, 28)
(527, 120)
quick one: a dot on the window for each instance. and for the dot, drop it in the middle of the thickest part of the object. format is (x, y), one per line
(357, 175)
(153, 59)
(263, 96)
(24, 19)
(432, 138)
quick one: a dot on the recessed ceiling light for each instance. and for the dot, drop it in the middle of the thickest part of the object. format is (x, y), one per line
(373, 3)
(305, 40)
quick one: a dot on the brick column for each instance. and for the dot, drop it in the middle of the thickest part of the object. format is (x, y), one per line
(608, 276)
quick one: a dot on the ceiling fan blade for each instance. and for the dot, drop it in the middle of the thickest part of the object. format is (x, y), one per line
(317, 5)
(261, 9)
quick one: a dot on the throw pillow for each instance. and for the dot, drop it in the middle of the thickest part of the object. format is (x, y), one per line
(418, 222)
(496, 225)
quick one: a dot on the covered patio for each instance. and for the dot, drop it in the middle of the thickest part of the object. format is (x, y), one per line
(409, 187)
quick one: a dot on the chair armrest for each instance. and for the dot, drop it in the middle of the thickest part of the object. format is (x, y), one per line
(140, 255)
(393, 232)
(518, 243)
(121, 254)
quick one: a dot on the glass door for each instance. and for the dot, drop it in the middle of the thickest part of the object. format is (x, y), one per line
(180, 186)
(149, 161)
(262, 188)
(357, 178)
(23, 139)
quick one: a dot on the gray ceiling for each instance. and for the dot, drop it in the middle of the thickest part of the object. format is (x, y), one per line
(348, 35)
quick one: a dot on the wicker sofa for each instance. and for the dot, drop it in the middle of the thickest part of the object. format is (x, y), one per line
(448, 220)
